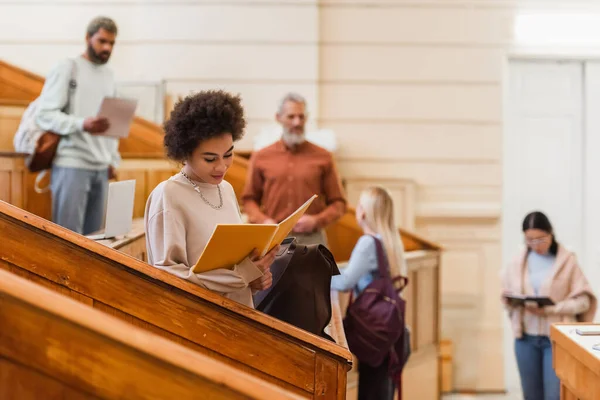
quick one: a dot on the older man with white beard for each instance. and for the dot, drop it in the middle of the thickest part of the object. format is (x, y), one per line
(285, 174)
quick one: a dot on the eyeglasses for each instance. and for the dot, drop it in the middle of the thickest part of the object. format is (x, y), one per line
(535, 242)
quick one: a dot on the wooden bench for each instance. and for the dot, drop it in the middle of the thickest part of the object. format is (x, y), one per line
(54, 347)
(118, 284)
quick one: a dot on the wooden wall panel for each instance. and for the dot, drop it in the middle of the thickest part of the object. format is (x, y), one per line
(10, 117)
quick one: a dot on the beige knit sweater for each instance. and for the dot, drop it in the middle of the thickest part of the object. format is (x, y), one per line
(178, 226)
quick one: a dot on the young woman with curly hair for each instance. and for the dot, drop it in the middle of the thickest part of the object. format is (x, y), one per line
(182, 212)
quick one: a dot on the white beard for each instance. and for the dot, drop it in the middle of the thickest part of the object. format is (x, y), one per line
(293, 139)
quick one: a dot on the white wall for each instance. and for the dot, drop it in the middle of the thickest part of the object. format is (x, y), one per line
(544, 159)
(591, 210)
(415, 90)
(259, 49)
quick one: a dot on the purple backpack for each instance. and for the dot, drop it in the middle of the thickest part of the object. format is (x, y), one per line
(375, 324)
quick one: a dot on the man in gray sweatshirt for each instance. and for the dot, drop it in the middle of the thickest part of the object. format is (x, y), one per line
(85, 159)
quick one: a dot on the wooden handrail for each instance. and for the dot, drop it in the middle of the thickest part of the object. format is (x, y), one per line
(130, 348)
(8, 102)
(160, 302)
(95, 248)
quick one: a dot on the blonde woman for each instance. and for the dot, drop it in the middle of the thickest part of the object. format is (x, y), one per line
(375, 215)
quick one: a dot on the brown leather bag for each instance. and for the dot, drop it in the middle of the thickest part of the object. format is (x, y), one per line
(300, 294)
(47, 144)
(45, 152)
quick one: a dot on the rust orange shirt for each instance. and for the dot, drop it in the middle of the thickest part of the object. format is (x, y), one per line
(280, 180)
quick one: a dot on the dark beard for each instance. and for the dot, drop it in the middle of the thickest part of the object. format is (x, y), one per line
(95, 57)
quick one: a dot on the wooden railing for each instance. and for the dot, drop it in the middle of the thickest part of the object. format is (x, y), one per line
(120, 285)
(54, 347)
(421, 378)
(134, 244)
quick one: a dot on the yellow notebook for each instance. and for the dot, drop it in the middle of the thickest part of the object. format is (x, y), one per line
(229, 244)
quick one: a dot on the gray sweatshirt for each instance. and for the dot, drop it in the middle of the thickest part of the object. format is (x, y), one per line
(77, 148)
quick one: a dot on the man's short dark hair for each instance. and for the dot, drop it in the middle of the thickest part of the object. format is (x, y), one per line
(101, 23)
(202, 116)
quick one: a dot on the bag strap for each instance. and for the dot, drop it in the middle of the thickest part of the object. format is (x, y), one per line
(399, 387)
(70, 89)
(383, 264)
(404, 282)
(72, 83)
(38, 180)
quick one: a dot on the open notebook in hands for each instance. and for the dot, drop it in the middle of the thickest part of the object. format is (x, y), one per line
(119, 210)
(232, 243)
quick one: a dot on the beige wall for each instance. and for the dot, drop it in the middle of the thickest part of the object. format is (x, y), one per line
(413, 90)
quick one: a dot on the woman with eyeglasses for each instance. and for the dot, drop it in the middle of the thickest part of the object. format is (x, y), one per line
(543, 269)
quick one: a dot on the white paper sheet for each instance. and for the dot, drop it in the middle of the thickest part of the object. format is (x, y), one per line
(120, 113)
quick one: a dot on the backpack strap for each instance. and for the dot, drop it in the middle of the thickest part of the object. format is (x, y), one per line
(383, 265)
(70, 90)
(72, 83)
(38, 181)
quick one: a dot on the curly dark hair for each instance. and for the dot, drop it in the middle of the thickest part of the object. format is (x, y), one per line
(202, 116)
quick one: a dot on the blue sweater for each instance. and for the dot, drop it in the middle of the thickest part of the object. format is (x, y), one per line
(361, 269)
(539, 267)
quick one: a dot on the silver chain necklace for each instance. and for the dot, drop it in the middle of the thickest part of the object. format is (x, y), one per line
(197, 189)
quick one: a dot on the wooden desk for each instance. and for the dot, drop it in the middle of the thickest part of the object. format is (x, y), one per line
(575, 362)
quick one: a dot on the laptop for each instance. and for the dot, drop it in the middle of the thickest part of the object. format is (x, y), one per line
(119, 210)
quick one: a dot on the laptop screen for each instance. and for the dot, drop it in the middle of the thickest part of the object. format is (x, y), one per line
(119, 208)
